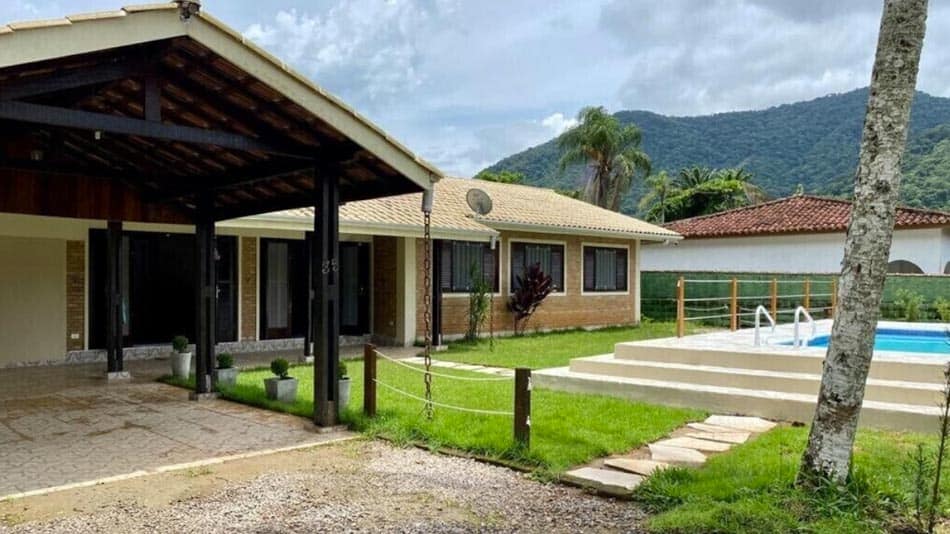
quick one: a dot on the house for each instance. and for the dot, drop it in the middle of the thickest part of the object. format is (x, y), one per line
(60, 271)
(798, 234)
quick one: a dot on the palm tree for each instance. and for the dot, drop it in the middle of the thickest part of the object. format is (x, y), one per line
(610, 150)
(753, 193)
(691, 177)
(654, 204)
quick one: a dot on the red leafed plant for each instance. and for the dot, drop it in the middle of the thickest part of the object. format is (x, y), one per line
(531, 288)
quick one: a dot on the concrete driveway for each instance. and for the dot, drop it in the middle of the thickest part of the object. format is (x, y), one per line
(67, 425)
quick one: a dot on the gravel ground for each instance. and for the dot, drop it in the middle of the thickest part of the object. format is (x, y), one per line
(352, 487)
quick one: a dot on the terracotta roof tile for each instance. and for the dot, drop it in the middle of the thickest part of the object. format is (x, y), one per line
(796, 214)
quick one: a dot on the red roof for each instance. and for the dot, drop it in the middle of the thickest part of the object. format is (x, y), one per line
(797, 214)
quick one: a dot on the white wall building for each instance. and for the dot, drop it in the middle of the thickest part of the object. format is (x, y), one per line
(800, 234)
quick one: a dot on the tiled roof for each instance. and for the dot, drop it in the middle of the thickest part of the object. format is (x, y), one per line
(514, 207)
(796, 214)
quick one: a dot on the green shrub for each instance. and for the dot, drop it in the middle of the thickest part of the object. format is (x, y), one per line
(280, 367)
(942, 306)
(341, 370)
(225, 361)
(908, 304)
(180, 344)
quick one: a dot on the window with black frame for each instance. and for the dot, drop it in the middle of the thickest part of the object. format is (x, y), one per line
(548, 255)
(462, 259)
(605, 269)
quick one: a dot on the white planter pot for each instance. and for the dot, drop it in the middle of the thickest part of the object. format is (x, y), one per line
(344, 390)
(281, 390)
(225, 377)
(181, 364)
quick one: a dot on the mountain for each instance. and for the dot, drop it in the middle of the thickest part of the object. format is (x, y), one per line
(813, 143)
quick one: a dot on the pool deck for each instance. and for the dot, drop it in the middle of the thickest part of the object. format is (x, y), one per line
(725, 371)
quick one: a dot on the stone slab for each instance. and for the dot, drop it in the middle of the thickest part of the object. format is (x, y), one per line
(632, 465)
(676, 455)
(703, 427)
(724, 437)
(604, 480)
(750, 424)
(695, 444)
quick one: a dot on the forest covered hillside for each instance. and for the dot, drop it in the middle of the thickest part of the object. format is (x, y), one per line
(813, 143)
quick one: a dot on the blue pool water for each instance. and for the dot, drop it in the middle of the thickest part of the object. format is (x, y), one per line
(926, 341)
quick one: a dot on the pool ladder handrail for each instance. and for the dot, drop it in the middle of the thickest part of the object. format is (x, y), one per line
(797, 342)
(759, 311)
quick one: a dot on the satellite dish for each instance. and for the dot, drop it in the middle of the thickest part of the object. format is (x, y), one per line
(479, 201)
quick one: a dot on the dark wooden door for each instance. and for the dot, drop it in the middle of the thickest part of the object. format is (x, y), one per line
(354, 289)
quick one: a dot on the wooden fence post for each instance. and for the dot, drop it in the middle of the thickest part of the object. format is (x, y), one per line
(734, 305)
(680, 307)
(774, 302)
(834, 297)
(369, 380)
(807, 299)
(523, 407)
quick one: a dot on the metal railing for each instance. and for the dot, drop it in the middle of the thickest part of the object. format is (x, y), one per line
(797, 340)
(759, 312)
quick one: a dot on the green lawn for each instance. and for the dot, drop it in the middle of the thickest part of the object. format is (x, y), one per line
(566, 429)
(750, 489)
(555, 349)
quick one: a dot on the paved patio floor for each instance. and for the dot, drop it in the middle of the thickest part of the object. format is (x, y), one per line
(65, 425)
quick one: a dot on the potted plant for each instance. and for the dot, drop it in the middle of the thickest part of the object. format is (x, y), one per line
(344, 389)
(226, 373)
(180, 357)
(281, 386)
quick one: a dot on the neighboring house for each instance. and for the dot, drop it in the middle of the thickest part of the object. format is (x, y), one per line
(53, 269)
(798, 234)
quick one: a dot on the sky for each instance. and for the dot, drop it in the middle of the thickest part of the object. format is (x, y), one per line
(464, 83)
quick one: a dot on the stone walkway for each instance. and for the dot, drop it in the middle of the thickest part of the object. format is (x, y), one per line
(689, 446)
(85, 433)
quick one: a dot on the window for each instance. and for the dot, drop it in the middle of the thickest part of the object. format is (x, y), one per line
(458, 259)
(550, 257)
(605, 269)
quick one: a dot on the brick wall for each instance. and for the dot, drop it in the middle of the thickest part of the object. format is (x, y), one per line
(248, 290)
(75, 295)
(384, 287)
(572, 309)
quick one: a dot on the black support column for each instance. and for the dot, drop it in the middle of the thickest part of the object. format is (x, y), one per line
(114, 299)
(325, 318)
(308, 333)
(437, 292)
(205, 296)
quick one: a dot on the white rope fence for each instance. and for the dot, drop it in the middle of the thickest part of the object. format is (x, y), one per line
(441, 375)
(441, 405)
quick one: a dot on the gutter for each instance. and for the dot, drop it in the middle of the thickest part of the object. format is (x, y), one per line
(305, 224)
(565, 230)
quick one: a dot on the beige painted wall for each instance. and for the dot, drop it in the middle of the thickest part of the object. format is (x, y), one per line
(32, 299)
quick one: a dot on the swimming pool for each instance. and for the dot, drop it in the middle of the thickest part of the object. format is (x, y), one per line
(901, 340)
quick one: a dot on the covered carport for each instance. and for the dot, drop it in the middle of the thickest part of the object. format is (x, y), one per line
(161, 114)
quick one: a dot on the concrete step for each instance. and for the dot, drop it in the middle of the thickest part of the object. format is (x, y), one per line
(776, 405)
(778, 359)
(805, 383)
(604, 480)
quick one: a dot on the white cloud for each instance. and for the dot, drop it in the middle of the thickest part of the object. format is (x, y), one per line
(558, 123)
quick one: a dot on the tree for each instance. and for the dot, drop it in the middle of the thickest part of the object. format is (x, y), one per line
(655, 201)
(699, 191)
(611, 152)
(868, 242)
(503, 177)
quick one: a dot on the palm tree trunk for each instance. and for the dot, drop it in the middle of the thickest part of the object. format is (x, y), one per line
(877, 181)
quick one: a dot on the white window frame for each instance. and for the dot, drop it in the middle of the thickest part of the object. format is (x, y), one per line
(563, 291)
(501, 266)
(586, 244)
